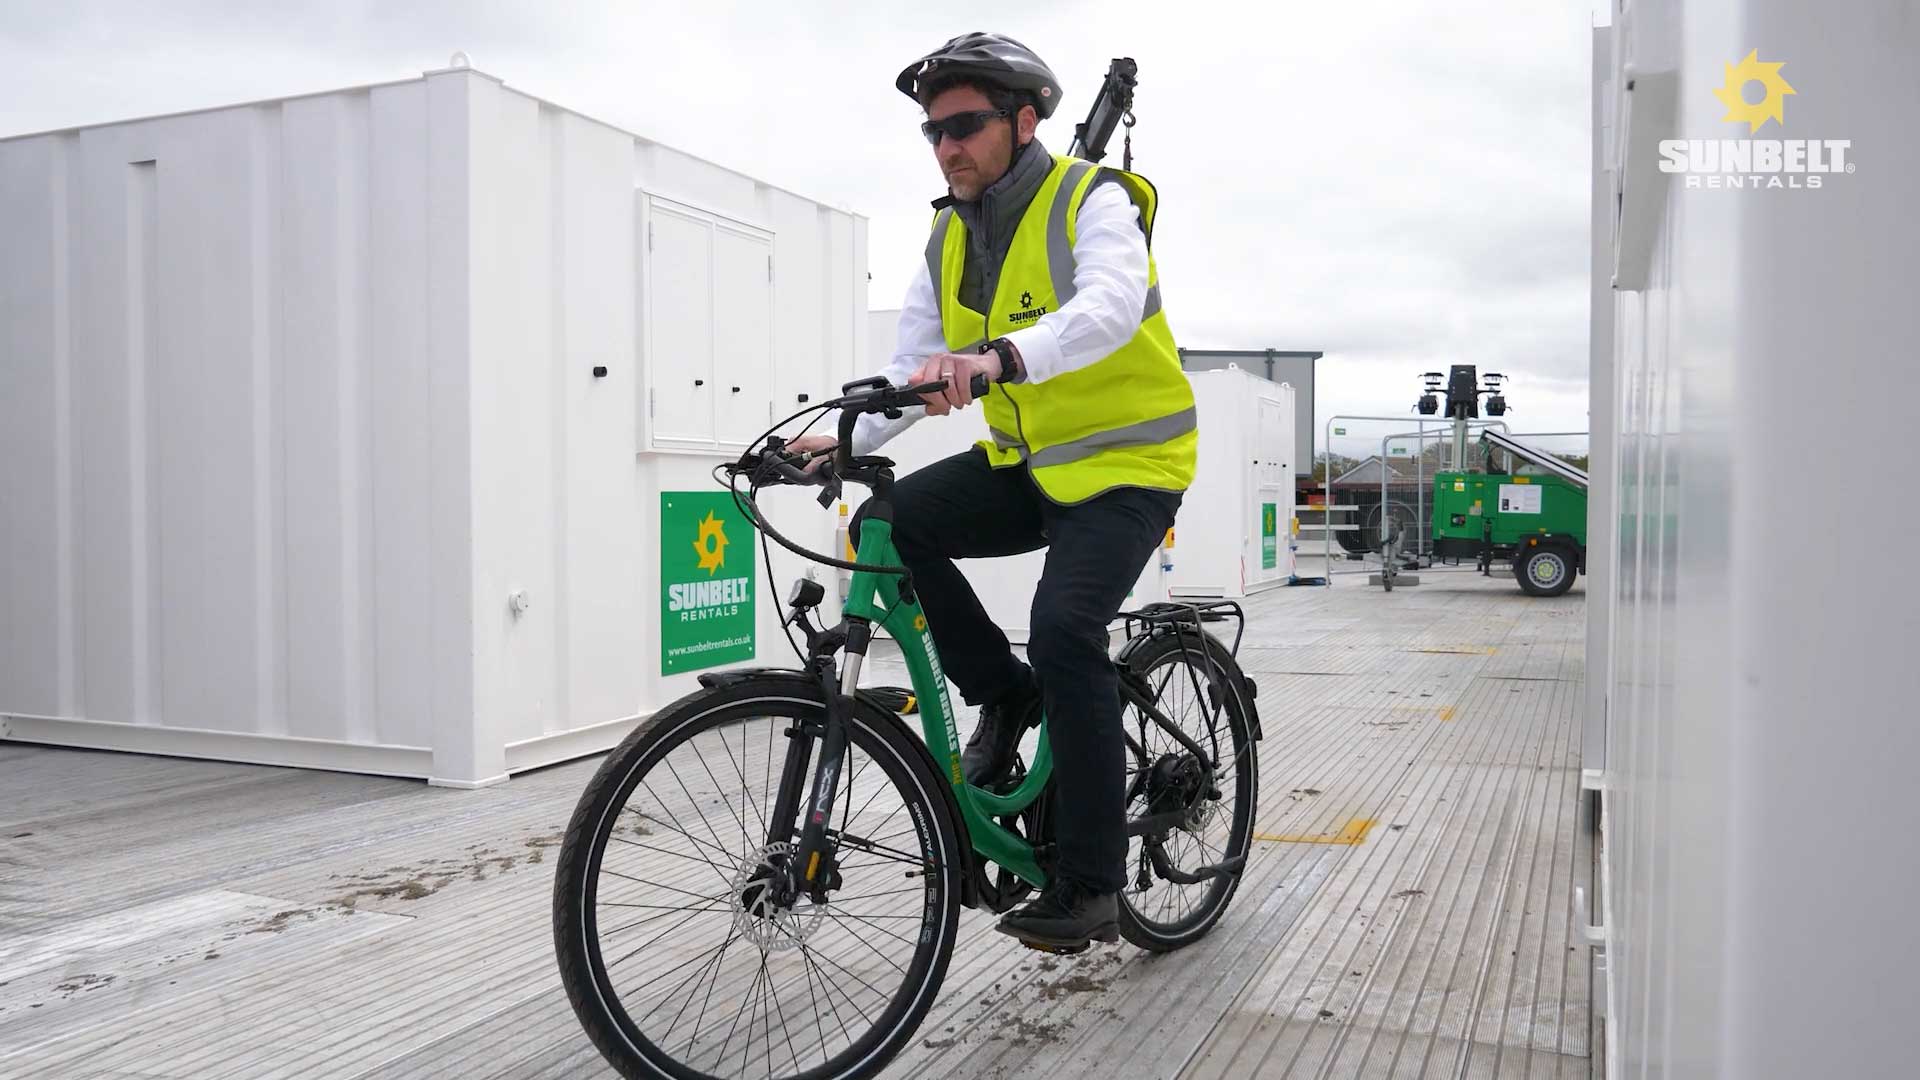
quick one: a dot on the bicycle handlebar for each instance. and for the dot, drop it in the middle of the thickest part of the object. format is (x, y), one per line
(889, 399)
(774, 465)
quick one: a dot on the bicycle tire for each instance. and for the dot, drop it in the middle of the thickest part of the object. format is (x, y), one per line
(903, 760)
(1147, 658)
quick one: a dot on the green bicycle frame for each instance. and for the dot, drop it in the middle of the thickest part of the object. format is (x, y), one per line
(876, 598)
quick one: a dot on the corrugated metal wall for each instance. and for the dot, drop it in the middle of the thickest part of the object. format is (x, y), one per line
(1759, 736)
(296, 394)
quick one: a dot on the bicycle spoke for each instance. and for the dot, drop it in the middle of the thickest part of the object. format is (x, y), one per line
(711, 967)
(649, 944)
(663, 851)
(861, 843)
(846, 801)
(806, 958)
(664, 907)
(869, 896)
(860, 919)
(739, 769)
(660, 885)
(682, 830)
(843, 970)
(736, 1024)
(700, 972)
(668, 912)
(710, 988)
(739, 816)
(692, 803)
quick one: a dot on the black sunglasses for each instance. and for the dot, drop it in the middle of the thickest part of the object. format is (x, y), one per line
(960, 126)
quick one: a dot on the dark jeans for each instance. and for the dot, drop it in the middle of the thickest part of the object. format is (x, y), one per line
(963, 508)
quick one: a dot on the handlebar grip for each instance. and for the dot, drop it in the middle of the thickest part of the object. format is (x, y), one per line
(979, 385)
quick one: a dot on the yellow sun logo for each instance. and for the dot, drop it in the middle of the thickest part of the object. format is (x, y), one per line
(711, 545)
(919, 622)
(1771, 107)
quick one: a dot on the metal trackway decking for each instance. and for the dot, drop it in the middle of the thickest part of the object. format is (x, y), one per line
(1406, 914)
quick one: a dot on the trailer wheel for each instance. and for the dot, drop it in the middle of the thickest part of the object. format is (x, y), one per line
(1547, 570)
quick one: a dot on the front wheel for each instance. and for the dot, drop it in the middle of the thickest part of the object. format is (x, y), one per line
(683, 953)
(1180, 879)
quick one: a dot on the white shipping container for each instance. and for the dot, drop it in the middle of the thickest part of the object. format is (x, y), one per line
(336, 427)
(1754, 903)
(1235, 531)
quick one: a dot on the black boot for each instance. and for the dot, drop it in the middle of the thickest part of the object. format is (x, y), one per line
(1065, 916)
(990, 749)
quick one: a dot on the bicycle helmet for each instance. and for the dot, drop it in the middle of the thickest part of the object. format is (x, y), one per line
(991, 58)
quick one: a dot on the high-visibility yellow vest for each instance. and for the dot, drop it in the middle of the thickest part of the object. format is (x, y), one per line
(1126, 420)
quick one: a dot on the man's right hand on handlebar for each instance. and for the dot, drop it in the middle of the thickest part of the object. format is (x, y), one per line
(957, 371)
(967, 379)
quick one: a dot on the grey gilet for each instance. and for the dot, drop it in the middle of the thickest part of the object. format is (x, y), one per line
(992, 219)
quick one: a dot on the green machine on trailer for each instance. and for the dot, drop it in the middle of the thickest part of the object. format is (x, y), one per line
(1527, 507)
(1537, 520)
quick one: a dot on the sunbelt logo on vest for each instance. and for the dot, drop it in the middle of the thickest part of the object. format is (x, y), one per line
(706, 581)
(1755, 94)
(1027, 312)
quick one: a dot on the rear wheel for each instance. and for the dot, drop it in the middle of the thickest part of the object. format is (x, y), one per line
(1547, 570)
(682, 956)
(1200, 693)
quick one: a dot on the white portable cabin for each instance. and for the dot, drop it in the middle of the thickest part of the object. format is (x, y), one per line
(336, 431)
(1235, 532)
(1750, 718)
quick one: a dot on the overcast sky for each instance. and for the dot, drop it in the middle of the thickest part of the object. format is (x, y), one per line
(1401, 185)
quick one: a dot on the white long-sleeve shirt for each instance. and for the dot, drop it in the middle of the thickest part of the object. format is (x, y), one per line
(1110, 282)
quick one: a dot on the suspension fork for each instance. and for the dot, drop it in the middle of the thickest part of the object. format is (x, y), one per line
(811, 801)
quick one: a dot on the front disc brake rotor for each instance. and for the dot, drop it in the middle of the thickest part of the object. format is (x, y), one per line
(759, 917)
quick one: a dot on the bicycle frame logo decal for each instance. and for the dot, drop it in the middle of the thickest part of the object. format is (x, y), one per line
(706, 611)
(946, 704)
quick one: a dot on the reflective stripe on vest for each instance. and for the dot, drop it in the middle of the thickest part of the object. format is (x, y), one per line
(1126, 420)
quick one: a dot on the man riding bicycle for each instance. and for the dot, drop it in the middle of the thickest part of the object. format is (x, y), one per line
(1038, 275)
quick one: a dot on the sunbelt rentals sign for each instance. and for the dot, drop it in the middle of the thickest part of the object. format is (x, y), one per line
(706, 582)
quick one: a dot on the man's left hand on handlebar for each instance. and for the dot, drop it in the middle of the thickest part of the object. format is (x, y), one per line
(957, 371)
(809, 444)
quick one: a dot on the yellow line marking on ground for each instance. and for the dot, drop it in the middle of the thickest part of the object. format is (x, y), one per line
(1446, 713)
(1484, 650)
(1353, 832)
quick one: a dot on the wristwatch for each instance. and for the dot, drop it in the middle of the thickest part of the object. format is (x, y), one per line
(1009, 359)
